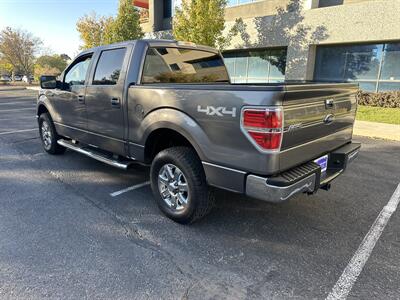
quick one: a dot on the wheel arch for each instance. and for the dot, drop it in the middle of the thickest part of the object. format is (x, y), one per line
(174, 127)
(165, 137)
(41, 109)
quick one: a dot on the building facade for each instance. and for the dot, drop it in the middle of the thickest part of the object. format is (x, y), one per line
(324, 40)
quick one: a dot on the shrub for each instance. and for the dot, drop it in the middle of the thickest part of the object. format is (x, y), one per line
(381, 99)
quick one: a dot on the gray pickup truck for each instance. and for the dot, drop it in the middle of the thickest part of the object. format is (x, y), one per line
(170, 105)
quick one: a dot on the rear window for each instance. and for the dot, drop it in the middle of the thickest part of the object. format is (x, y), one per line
(109, 67)
(175, 65)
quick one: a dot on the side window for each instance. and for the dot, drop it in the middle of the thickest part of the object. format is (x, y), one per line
(175, 65)
(109, 67)
(76, 75)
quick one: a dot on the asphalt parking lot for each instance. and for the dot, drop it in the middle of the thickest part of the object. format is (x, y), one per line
(63, 234)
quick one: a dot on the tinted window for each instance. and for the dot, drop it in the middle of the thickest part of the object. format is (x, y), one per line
(76, 75)
(109, 67)
(173, 65)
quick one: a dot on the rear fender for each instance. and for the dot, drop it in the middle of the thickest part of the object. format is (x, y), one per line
(167, 118)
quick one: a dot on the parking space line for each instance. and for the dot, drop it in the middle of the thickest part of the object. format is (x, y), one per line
(17, 109)
(17, 131)
(25, 102)
(131, 188)
(33, 117)
(350, 274)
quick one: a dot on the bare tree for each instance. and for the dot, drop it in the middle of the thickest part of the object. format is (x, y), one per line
(18, 48)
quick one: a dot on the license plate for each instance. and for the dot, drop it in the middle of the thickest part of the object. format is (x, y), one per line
(323, 162)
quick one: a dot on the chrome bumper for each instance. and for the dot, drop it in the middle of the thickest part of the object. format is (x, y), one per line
(258, 187)
(270, 190)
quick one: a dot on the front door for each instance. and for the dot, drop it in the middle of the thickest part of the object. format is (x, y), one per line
(104, 101)
(69, 101)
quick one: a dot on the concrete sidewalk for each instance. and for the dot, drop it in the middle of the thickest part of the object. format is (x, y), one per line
(377, 130)
(12, 88)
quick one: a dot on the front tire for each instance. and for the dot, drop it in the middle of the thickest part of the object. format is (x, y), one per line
(48, 135)
(179, 185)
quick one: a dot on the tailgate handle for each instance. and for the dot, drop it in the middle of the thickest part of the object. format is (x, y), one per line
(328, 103)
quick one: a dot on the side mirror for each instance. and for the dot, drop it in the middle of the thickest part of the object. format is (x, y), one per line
(49, 82)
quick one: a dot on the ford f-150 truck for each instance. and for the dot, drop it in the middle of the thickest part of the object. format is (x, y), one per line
(171, 105)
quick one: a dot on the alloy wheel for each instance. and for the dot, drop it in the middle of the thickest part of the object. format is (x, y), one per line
(173, 187)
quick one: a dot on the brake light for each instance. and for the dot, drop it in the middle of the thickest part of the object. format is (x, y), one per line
(264, 127)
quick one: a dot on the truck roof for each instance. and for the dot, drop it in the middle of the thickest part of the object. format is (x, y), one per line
(154, 43)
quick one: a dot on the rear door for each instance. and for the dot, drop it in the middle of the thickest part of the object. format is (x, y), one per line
(105, 100)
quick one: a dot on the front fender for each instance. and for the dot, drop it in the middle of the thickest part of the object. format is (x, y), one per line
(41, 104)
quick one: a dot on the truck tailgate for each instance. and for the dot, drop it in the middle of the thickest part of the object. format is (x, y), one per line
(318, 118)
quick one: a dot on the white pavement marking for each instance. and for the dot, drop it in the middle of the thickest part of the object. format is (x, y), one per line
(16, 131)
(350, 274)
(17, 109)
(131, 188)
(25, 102)
(18, 118)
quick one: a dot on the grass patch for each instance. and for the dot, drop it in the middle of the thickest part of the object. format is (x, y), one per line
(378, 114)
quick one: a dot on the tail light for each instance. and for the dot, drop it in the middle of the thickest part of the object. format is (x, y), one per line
(263, 127)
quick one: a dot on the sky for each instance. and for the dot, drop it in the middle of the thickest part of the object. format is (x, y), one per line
(53, 21)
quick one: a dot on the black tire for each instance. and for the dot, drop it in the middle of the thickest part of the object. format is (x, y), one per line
(49, 136)
(200, 198)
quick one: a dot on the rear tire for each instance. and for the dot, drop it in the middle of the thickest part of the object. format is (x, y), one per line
(49, 136)
(179, 185)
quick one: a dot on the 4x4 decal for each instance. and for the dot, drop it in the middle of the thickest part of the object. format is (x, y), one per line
(217, 111)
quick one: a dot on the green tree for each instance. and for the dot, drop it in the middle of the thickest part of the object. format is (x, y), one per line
(126, 25)
(5, 67)
(99, 30)
(203, 22)
(18, 48)
(45, 70)
(53, 61)
(94, 30)
(50, 65)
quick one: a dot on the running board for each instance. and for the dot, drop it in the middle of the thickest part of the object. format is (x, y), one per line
(97, 156)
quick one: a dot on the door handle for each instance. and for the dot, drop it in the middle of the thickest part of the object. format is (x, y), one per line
(328, 103)
(81, 99)
(115, 102)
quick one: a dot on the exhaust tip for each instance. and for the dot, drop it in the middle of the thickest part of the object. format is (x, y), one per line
(326, 187)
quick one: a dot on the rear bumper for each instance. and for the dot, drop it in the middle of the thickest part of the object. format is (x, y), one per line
(303, 179)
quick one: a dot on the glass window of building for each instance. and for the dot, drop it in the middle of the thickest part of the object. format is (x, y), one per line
(390, 74)
(256, 66)
(375, 67)
(170, 7)
(238, 2)
(326, 3)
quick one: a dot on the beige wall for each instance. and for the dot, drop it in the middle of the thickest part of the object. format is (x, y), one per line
(255, 9)
(303, 29)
